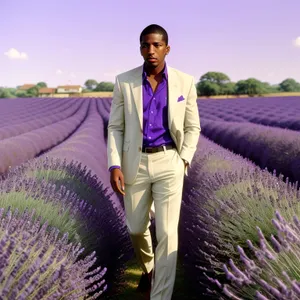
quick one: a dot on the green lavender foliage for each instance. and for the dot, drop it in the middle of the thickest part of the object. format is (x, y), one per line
(35, 263)
(225, 198)
(274, 273)
(248, 199)
(59, 207)
(105, 227)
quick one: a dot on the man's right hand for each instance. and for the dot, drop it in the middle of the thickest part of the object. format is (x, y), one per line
(117, 181)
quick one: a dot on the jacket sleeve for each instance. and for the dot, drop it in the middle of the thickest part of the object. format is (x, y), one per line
(192, 127)
(115, 127)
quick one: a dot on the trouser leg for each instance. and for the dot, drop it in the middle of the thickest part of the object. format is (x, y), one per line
(167, 173)
(137, 201)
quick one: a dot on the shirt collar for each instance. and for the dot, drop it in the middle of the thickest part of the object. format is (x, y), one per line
(164, 72)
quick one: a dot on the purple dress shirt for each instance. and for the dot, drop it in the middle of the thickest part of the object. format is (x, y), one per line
(155, 113)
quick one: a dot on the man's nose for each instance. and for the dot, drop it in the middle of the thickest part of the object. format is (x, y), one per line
(151, 49)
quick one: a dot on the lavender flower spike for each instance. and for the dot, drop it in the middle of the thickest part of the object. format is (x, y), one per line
(34, 272)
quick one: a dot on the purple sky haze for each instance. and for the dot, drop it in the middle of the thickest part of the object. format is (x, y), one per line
(69, 41)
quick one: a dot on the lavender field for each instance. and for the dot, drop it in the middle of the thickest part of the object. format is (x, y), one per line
(62, 229)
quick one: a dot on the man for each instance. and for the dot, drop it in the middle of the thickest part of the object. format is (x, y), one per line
(153, 133)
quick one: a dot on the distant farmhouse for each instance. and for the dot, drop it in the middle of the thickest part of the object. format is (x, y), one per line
(47, 92)
(69, 89)
(63, 90)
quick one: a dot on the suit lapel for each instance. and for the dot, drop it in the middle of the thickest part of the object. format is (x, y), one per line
(172, 93)
(137, 92)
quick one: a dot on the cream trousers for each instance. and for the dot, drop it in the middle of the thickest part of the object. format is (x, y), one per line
(159, 181)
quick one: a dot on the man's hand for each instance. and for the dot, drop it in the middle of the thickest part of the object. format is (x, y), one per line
(186, 164)
(117, 181)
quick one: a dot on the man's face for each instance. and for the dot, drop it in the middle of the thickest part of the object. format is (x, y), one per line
(154, 49)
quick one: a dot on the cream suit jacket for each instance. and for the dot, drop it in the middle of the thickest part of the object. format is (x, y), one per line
(125, 127)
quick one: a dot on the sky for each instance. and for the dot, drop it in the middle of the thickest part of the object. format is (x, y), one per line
(69, 41)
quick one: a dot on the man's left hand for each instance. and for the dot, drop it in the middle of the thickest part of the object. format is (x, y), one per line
(186, 163)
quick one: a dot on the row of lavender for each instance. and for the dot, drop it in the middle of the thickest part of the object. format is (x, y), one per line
(237, 240)
(280, 112)
(246, 218)
(269, 147)
(58, 207)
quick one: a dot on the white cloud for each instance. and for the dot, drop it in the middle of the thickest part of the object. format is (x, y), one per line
(59, 72)
(13, 53)
(72, 75)
(296, 42)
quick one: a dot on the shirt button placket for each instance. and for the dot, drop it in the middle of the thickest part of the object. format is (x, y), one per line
(151, 117)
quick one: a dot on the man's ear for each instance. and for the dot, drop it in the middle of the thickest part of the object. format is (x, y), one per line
(168, 49)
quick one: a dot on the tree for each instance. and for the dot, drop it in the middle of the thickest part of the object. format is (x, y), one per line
(250, 87)
(104, 86)
(21, 94)
(289, 85)
(12, 91)
(241, 87)
(228, 88)
(5, 93)
(41, 84)
(33, 92)
(213, 83)
(270, 88)
(91, 84)
(207, 88)
(215, 77)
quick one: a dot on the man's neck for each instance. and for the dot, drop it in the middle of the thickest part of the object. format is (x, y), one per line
(154, 71)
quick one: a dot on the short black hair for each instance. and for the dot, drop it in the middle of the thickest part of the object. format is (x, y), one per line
(154, 28)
